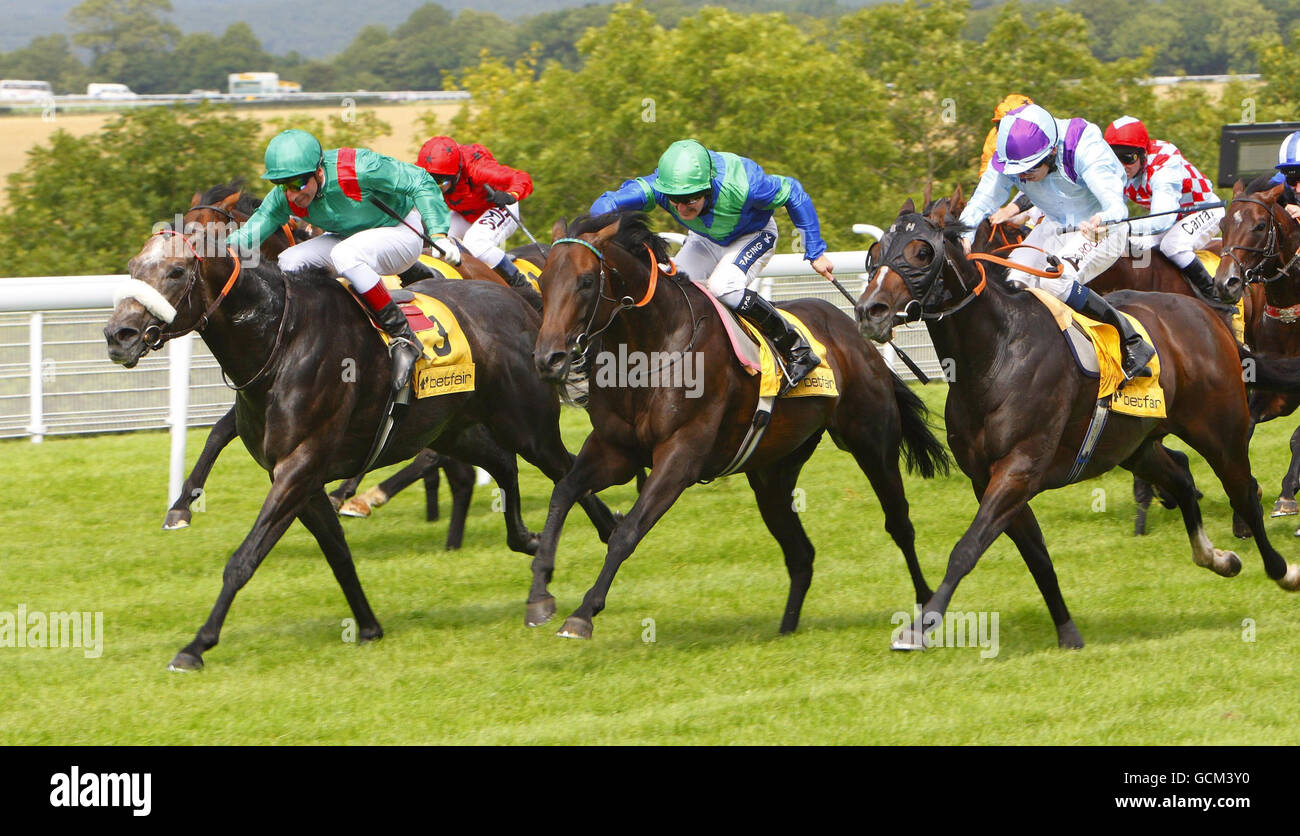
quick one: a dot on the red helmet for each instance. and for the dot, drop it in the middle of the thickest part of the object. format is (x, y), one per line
(1128, 132)
(440, 155)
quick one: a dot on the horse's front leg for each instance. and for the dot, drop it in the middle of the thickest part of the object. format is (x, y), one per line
(1011, 485)
(676, 467)
(292, 482)
(223, 432)
(596, 467)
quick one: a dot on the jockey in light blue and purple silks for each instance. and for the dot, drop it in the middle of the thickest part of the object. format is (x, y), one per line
(1071, 174)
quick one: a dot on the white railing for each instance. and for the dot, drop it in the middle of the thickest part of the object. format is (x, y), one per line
(55, 376)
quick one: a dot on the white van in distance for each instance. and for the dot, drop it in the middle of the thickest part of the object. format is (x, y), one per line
(18, 90)
(110, 91)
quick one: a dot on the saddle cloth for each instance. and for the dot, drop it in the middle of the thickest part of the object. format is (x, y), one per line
(1211, 262)
(447, 364)
(1141, 396)
(755, 354)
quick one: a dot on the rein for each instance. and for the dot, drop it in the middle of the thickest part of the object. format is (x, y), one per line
(1272, 249)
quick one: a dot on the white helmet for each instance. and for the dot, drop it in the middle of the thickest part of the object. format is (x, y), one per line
(1288, 155)
(1026, 136)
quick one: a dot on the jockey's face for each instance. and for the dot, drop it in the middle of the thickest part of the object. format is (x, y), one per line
(689, 207)
(303, 197)
(1038, 172)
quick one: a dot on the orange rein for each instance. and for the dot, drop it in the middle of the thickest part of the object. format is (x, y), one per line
(654, 277)
(1024, 268)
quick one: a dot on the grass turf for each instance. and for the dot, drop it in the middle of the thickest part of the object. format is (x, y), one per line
(1167, 659)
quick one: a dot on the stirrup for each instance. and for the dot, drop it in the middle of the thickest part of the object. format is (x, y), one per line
(796, 369)
(399, 349)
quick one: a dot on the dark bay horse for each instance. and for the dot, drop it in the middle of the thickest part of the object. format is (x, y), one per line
(228, 203)
(284, 339)
(1007, 345)
(590, 281)
(1261, 245)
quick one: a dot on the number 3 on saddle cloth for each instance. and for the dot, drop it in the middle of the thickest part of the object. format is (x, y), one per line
(447, 364)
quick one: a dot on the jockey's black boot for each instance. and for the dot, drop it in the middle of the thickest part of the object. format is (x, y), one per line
(1136, 351)
(795, 351)
(405, 348)
(516, 279)
(1203, 283)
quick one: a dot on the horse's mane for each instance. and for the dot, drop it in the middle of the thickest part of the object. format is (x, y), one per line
(633, 235)
(247, 202)
(1261, 183)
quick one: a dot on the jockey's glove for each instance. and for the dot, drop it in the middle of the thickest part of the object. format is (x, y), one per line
(448, 251)
(500, 198)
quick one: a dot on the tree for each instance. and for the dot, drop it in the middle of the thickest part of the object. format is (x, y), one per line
(128, 41)
(85, 205)
(48, 58)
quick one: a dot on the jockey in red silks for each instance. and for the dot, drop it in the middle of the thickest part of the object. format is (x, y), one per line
(1159, 179)
(483, 197)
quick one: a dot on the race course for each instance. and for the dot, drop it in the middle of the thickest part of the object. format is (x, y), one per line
(1174, 654)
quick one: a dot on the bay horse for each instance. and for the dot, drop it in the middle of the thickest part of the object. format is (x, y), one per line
(1261, 247)
(229, 203)
(596, 268)
(285, 339)
(1011, 453)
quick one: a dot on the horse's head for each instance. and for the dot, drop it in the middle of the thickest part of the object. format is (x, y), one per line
(596, 268)
(172, 289)
(1254, 228)
(906, 270)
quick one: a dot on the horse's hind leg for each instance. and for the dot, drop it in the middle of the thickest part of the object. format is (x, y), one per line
(774, 488)
(319, 518)
(475, 445)
(460, 478)
(1286, 503)
(1142, 495)
(222, 433)
(1153, 462)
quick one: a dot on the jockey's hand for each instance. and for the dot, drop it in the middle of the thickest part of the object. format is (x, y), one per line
(822, 264)
(1092, 229)
(500, 198)
(447, 250)
(1004, 214)
(1293, 210)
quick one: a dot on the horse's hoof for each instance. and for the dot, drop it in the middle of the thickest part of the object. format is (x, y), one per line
(575, 628)
(1240, 529)
(1291, 580)
(370, 634)
(336, 501)
(538, 613)
(1285, 508)
(1226, 563)
(909, 639)
(532, 544)
(185, 663)
(1068, 636)
(355, 507)
(176, 519)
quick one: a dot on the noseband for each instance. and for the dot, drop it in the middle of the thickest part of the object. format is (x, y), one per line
(583, 341)
(1272, 249)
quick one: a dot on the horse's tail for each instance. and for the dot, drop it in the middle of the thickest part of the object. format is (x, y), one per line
(1270, 371)
(922, 451)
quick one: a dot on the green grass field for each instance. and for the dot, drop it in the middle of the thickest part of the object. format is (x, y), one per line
(1167, 658)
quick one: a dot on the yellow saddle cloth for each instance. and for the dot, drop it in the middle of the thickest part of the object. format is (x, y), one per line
(1141, 396)
(820, 382)
(447, 364)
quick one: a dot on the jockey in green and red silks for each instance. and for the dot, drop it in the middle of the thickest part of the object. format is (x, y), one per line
(331, 190)
(726, 203)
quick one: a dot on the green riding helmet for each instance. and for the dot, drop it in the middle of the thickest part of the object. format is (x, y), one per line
(685, 168)
(292, 153)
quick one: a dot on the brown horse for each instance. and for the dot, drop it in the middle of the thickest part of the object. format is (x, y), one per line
(1261, 245)
(284, 338)
(688, 434)
(1010, 453)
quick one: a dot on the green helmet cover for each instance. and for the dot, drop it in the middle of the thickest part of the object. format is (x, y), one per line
(685, 168)
(291, 153)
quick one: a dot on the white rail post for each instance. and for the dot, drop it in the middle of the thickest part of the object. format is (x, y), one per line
(36, 377)
(179, 353)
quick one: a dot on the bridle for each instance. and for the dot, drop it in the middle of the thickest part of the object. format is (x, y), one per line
(1271, 250)
(922, 283)
(583, 341)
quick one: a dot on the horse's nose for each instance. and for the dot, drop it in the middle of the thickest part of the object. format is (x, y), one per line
(120, 335)
(1232, 287)
(550, 365)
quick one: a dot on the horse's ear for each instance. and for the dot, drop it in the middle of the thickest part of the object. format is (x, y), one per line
(929, 188)
(957, 203)
(1239, 188)
(558, 230)
(939, 212)
(908, 208)
(194, 201)
(1274, 194)
(609, 231)
(228, 203)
